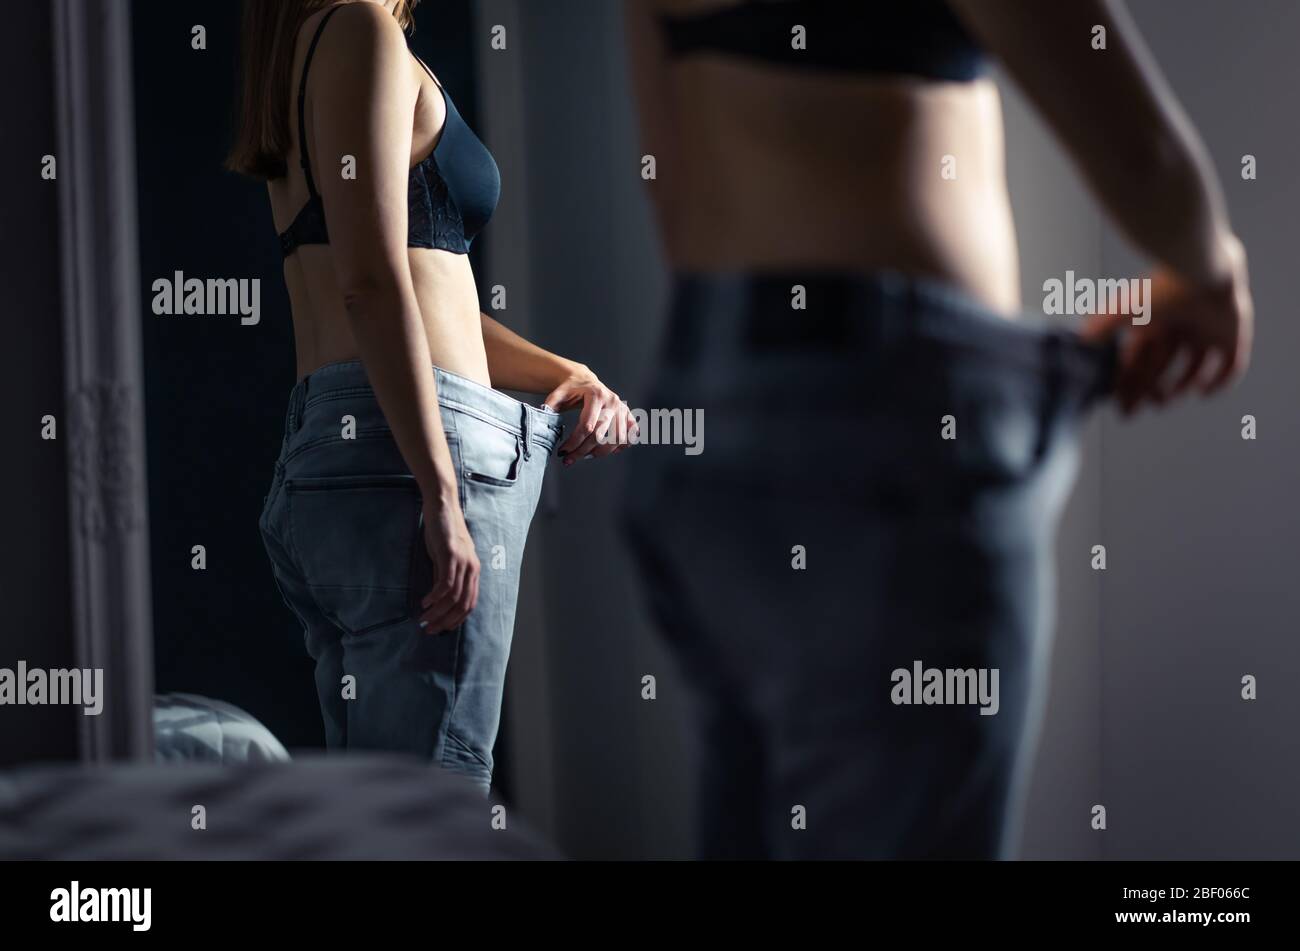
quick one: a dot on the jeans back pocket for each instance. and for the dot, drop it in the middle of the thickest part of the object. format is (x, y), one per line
(355, 538)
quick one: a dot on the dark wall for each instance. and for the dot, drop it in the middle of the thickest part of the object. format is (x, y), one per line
(216, 390)
(34, 559)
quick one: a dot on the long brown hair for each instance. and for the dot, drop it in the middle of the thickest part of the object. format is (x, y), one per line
(267, 37)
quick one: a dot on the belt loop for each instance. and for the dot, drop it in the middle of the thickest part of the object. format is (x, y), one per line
(299, 404)
(523, 426)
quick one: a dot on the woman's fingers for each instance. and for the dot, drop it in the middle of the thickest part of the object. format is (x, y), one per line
(473, 595)
(614, 429)
(451, 601)
(1140, 378)
(1200, 337)
(586, 425)
(605, 425)
(605, 422)
(558, 399)
(440, 591)
(455, 564)
(1233, 361)
(619, 434)
(1196, 355)
(1165, 353)
(448, 615)
(442, 602)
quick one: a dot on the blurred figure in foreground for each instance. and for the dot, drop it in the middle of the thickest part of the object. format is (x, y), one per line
(846, 313)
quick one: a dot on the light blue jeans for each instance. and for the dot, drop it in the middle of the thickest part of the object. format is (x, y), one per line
(343, 527)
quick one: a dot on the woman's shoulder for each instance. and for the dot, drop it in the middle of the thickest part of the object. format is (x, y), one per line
(357, 28)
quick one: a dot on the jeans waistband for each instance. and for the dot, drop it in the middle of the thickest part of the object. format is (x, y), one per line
(714, 316)
(455, 392)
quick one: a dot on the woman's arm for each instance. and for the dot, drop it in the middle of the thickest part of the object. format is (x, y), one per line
(363, 95)
(516, 364)
(1119, 120)
(605, 425)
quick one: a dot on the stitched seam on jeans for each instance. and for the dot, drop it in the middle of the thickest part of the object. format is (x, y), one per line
(480, 478)
(293, 535)
(537, 437)
(465, 747)
(481, 416)
(279, 588)
(371, 628)
(455, 687)
(326, 440)
(339, 394)
(459, 461)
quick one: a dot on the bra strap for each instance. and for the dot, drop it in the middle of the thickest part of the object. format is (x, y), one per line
(429, 71)
(302, 100)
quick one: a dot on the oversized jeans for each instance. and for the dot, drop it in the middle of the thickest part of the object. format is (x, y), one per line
(881, 479)
(343, 527)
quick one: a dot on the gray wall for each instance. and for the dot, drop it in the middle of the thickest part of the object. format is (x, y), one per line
(1201, 525)
(1144, 713)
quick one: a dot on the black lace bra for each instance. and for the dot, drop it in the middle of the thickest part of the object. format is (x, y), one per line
(909, 37)
(451, 194)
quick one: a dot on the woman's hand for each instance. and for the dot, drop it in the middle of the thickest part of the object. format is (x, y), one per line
(455, 567)
(605, 425)
(1205, 329)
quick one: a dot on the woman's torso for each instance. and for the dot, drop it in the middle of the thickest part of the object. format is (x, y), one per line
(443, 280)
(774, 165)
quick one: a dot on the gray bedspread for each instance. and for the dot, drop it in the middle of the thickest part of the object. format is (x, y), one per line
(357, 806)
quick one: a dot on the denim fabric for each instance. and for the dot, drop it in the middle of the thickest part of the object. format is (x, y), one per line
(342, 525)
(824, 431)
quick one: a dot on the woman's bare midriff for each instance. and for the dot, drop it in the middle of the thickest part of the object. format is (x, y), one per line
(775, 167)
(444, 287)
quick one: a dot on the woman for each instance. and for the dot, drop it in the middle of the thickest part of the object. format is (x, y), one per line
(400, 503)
(890, 444)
